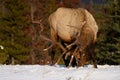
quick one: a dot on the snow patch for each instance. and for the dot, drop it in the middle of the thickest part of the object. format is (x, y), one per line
(58, 72)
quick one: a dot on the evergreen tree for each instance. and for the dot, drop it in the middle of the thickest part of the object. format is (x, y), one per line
(109, 38)
(13, 20)
(49, 7)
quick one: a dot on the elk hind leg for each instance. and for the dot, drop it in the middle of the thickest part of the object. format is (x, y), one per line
(93, 58)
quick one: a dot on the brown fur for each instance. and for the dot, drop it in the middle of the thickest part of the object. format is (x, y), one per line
(86, 51)
(65, 23)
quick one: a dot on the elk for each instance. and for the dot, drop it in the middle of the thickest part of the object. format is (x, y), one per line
(74, 27)
(77, 30)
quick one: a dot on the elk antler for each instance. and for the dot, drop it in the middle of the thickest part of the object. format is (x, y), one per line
(40, 25)
(72, 57)
(45, 38)
(53, 43)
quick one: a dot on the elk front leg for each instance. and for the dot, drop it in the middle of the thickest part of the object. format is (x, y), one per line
(54, 40)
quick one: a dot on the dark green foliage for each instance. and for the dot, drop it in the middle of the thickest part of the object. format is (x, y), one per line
(13, 20)
(109, 34)
(3, 57)
(49, 7)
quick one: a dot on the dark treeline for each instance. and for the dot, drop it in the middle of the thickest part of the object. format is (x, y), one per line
(20, 41)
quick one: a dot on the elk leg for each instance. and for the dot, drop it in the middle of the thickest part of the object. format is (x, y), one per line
(52, 58)
(93, 58)
(94, 61)
(54, 39)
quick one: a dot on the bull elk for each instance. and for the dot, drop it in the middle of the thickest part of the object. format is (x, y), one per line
(78, 30)
(66, 23)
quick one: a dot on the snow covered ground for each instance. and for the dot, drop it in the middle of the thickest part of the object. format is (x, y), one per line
(46, 72)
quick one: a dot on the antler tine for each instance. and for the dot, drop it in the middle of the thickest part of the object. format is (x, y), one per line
(61, 46)
(46, 49)
(45, 38)
(61, 57)
(73, 55)
(53, 43)
(76, 41)
(40, 24)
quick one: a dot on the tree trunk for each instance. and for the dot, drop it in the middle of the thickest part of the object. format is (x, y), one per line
(32, 53)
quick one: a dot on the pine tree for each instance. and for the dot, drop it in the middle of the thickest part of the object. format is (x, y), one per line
(13, 20)
(109, 38)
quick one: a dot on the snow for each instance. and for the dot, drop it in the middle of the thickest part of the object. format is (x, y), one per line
(58, 72)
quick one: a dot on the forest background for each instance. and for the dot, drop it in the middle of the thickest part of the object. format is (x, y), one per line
(20, 41)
